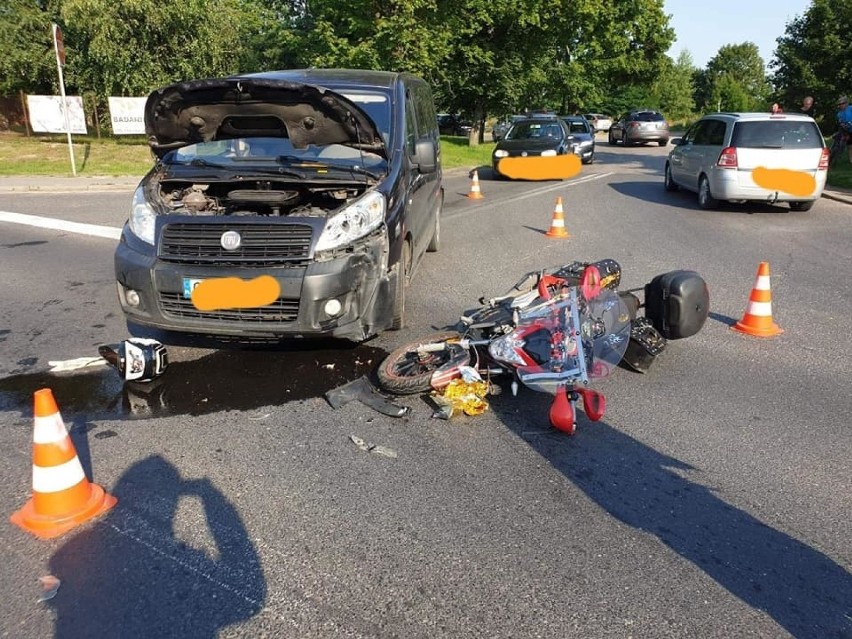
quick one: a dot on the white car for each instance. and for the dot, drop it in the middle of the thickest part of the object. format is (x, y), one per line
(718, 157)
(599, 121)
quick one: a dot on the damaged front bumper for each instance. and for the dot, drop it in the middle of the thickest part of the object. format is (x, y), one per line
(345, 293)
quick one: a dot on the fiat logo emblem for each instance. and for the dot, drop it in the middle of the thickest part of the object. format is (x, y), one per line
(230, 240)
(523, 154)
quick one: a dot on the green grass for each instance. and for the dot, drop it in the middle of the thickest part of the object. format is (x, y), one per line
(456, 152)
(48, 155)
(840, 175)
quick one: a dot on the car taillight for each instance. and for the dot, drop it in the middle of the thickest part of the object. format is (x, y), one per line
(823, 160)
(728, 158)
(632, 124)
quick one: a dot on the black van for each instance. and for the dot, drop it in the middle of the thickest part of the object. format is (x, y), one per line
(327, 180)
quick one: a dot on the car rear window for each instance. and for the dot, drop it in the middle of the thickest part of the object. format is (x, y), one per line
(777, 134)
(647, 116)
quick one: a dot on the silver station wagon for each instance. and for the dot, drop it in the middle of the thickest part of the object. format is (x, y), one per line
(718, 156)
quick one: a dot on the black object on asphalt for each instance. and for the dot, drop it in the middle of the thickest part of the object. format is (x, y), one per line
(362, 390)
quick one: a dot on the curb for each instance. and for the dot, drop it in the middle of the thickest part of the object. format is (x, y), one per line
(837, 197)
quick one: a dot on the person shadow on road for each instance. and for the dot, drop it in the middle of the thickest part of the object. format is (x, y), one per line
(128, 575)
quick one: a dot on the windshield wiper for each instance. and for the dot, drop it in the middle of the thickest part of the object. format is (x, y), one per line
(205, 163)
(316, 164)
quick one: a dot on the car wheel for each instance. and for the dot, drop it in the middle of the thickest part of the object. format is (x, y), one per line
(802, 206)
(668, 182)
(624, 139)
(435, 242)
(402, 267)
(705, 199)
(662, 142)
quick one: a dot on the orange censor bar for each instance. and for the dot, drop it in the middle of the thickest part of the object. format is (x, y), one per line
(62, 496)
(222, 293)
(558, 167)
(796, 183)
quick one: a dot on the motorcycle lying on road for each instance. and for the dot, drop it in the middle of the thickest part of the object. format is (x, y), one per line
(556, 331)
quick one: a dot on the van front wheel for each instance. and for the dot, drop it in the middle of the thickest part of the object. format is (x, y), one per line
(435, 242)
(402, 267)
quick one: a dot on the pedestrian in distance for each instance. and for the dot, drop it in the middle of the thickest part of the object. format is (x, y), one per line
(776, 108)
(844, 122)
(808, 106)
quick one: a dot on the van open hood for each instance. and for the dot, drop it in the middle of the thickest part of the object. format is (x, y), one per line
(219, 109)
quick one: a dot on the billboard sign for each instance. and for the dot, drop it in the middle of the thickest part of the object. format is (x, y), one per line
(127, 115)
(46, 113)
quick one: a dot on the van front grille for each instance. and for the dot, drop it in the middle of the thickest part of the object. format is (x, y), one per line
(261, 244)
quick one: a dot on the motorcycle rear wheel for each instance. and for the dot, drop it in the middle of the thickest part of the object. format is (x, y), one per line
(407, 372)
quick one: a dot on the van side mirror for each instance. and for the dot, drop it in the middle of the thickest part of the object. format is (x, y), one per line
(426, 156)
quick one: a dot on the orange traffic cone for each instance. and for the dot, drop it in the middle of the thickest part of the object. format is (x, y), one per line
(475, 193)
(62, 496)
(557, 226)
(757, 319)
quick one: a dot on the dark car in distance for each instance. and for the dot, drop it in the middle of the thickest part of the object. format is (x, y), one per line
(530, 137)
(584, 136)
(450, 124)
(640, 126)
(326, 180)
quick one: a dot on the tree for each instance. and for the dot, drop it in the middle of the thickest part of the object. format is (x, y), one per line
(27, 59)
(734, 80)
(674, 88)
(131, 48)
(813, 56)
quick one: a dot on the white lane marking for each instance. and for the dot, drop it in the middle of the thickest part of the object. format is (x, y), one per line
(534, 192)
(95, 230)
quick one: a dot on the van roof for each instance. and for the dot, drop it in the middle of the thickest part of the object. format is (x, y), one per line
(338, 77)
(760, 115)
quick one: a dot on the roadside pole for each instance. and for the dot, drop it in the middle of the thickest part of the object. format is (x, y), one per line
(59, 48)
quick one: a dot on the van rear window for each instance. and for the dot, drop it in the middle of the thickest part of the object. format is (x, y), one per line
(777, 134)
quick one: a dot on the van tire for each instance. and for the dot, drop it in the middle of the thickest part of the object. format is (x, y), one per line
(705, 199)
(435, 242)
(402, 267)
(802, 206)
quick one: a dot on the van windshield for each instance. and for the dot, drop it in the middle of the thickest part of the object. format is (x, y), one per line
(777, 134)
(375, 104)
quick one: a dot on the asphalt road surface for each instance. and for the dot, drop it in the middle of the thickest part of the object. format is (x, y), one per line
(713, 500)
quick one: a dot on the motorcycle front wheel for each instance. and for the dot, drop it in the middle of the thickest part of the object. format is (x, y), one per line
(408, 370)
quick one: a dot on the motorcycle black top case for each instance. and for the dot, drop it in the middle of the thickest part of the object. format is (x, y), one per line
(677, 303)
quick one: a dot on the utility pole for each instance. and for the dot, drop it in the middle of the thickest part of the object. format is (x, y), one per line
(59, 48)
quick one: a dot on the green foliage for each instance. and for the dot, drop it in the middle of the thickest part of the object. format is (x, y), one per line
(813, 57)
(674, 87)
(27, 58)
(734, 80)
(134, 46)
(482, 57)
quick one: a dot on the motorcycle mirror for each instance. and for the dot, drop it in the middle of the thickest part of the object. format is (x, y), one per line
(562, 412)
(594, 403)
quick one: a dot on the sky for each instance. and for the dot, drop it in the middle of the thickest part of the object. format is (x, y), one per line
(703, 27)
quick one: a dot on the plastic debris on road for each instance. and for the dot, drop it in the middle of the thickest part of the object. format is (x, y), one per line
(49, 587)
(466, 394)
(373, 448)
(61, 366)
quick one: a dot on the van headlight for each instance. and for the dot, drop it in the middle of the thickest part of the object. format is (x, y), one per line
(356, 220)
(500, 153)
(142, 217)
(548, 153)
